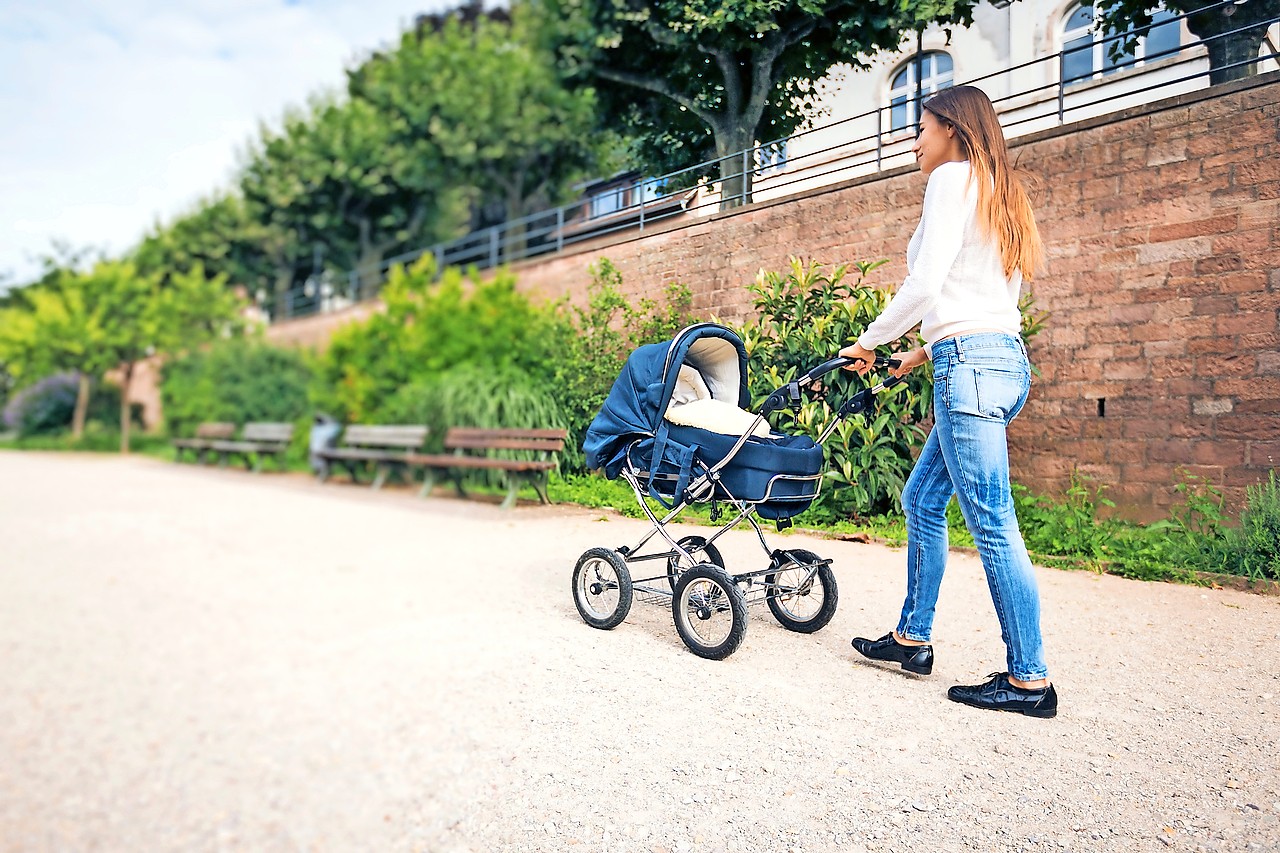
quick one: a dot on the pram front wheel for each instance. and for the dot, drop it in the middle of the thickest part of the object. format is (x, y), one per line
(801, 598)
(702, 552)
(602, 588)
(710, 611)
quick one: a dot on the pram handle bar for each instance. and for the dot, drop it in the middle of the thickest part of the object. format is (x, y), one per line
(838, 362)
(789, 394)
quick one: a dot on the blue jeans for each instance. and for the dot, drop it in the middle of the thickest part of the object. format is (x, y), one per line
(980, 384)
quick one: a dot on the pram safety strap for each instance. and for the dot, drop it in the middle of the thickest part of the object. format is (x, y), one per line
(683, 456)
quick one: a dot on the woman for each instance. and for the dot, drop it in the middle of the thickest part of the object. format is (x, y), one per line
(976, 242)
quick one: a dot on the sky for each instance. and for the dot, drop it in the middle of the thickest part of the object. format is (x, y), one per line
(118, 114)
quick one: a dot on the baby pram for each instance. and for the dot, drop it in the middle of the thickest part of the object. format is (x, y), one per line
(675, 426)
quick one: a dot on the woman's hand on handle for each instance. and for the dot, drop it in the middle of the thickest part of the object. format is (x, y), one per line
(864, 358)
(908, 361)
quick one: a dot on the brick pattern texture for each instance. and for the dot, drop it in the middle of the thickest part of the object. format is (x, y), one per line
(1162, 225)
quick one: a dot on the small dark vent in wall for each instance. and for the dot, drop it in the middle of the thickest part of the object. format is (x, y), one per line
(1102, 407)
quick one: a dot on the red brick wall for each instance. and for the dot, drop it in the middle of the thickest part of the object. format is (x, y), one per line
(1163, 283)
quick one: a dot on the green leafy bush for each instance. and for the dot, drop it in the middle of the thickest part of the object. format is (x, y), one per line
(236, 380)
(1253, 548)
(470, 395)
(431, 326)
(602, 335)
(806, 316)
(461, 351)
(1068, 527)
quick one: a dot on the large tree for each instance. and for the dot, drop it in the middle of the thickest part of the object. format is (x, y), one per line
(338, 188)
(1232, 33)
(694, 79)
(478, 97)
(217, 235)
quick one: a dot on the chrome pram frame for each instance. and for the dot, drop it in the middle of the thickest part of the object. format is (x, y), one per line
(708, 603)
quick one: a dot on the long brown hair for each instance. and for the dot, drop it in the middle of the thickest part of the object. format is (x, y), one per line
(1004, 210)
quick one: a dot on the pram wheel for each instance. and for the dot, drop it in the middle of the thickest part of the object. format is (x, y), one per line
(702, 552)
(602, 588)
(801, 599)
(709, 611)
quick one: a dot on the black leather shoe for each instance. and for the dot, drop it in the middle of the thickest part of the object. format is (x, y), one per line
(999, 695)
(917, 659)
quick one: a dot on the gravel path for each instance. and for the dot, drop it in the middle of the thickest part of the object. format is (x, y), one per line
(202, 659)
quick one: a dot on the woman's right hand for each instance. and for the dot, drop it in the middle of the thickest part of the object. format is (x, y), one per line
(908, 361)
(863, 359)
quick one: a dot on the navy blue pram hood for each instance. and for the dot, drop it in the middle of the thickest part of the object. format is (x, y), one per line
(639, 398)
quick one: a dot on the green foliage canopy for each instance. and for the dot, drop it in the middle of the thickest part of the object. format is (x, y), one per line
(481, 103)
(236, 380)
(110, 317)
(695, 80)
(1232, 33)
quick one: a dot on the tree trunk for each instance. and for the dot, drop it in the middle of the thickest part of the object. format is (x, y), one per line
(737, 170)
(1238, 47)
(126, 378)
(514, 230)
(369, 272)
(82, 408)
(284, 281)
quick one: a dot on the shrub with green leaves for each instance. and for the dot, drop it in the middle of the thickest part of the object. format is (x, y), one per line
(431, 326)
(459, 350)
(806, 316)
(237, 380)
(604, 333)
(1254, 546)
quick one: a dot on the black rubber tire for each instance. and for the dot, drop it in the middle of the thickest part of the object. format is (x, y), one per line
(600, 570)
(699, 548)
(702, 593)
(824, 580)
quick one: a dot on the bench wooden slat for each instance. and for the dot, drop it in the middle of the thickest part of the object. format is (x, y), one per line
(503, 432)
(259, 439)
(384, 445)
(544, 442)
(551, 445)
(268, 431)
(208, 431)
(367, 454)
(445, 460)
(408, 437)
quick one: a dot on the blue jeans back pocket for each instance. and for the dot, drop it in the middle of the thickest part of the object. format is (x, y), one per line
(997, 393)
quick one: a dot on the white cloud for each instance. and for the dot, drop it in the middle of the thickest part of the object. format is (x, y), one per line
(118, 114)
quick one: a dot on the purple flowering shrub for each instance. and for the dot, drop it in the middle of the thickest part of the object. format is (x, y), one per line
(45, 407)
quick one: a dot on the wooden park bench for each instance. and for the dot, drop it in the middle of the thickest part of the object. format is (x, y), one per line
(258, 441)
(386, 448)
(471, 448)
(203, 441)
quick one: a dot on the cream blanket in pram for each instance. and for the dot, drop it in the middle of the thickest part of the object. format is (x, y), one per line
(693, 405)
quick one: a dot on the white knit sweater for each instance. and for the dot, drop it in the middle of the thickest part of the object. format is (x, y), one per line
(955, 279)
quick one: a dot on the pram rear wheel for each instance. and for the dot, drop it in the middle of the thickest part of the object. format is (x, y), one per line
(710, 611)
(702, 552)
(602, 588)
(800, 599)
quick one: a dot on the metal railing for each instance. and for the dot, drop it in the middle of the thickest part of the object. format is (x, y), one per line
(860, 145)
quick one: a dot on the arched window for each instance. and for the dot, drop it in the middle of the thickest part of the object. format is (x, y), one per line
(935, 73)
(1087, 55)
